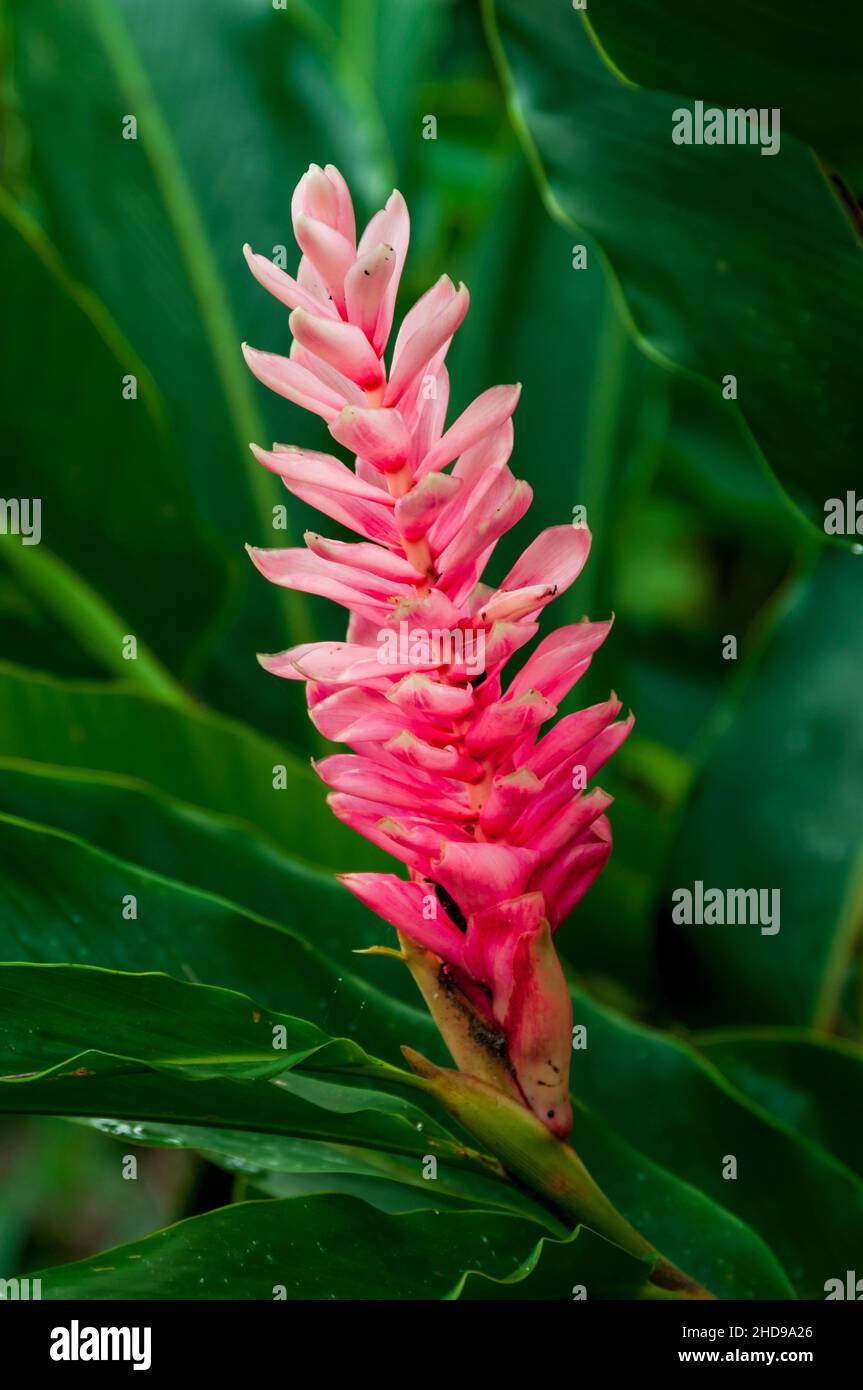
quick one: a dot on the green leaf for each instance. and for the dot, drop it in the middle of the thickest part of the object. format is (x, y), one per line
(698, 1232)
(328, 1247)
(812, 1085)
(199, 178)
(714, 461)
(182, 1036)
(288, 1167)
(104, 532)
(64, 901)
(183, 327)
(202, 1032)
(151, 1018)
(361, 1176)
(92, 1085)
(584, 1265)
(84, 63)
(290, 1134)
(386, 1182)
(62, 599)
(195, 755)
(668, 1104)
(707, 291)
(525, 293)
(739, 55)
(776, 808)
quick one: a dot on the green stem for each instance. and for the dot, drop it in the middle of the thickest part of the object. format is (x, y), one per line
(530, 1153)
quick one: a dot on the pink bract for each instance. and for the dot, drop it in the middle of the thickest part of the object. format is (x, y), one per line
(449, 772)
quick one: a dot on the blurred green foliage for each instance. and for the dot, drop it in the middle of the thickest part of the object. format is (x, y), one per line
(121, 257)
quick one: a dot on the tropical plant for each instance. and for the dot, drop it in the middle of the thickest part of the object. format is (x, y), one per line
(186, 981)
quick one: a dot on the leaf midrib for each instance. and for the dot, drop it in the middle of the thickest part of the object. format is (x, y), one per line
(203, 272)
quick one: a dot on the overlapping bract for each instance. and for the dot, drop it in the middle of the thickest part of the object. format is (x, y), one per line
(448, 772)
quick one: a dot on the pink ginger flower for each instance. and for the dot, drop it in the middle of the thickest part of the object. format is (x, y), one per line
(448, 771)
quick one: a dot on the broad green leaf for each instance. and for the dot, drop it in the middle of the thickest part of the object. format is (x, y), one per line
(146, 1104)
(573, 425)
(583, 1266)
(53, 595)
(697, 1232)
(151, 1018)
(713, 461)
(193, 754)
(327, 1247)
(393, 1194)
(289, 1167)
(285, 1132)
(201, 1032)
(776, 808)
(181, 193)
(84, 64)
(772, 298)
(30, 630)
(670, 1105)
(64, 901)
(813, 1085)
(110, 488)
(739, 55)
(223, 856)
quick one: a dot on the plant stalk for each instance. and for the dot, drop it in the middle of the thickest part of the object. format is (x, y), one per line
(547, 1165)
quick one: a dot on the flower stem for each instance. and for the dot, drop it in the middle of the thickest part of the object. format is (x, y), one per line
(550, 1167)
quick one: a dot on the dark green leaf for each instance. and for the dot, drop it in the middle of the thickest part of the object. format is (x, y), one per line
(291, 1134)
(777, 809)
(330, 1247)
(214, 853)
(103, 531)
(813, 1085)
(299, 1105)
(289, 1167)
(199, 178)
(698, 1232)
(772, 298)
(193, 754)
(582, 1266)
(671, 1106)
(50, 1011)
(739, 55)
(64, 901)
